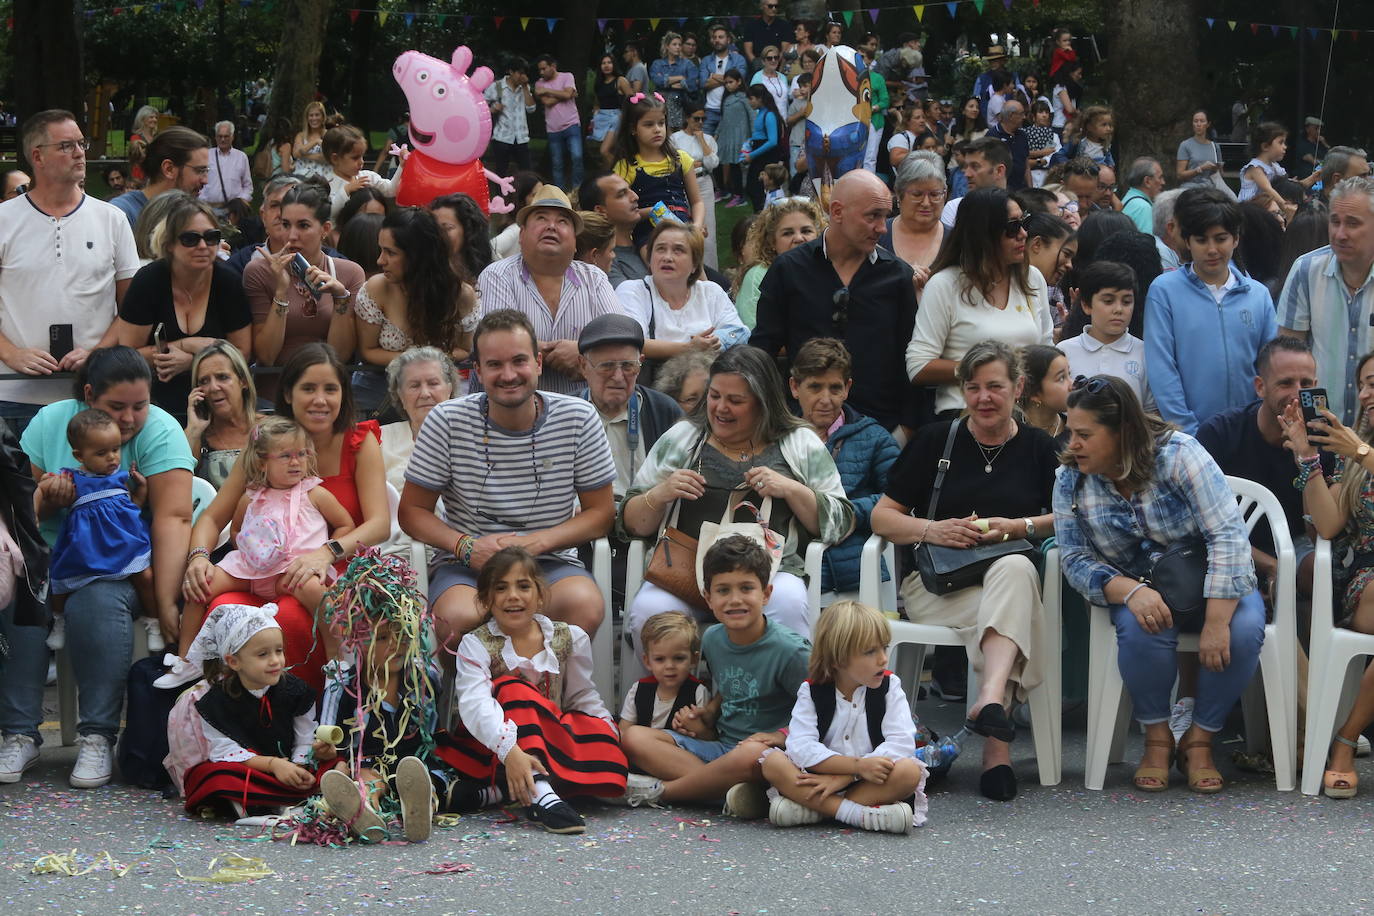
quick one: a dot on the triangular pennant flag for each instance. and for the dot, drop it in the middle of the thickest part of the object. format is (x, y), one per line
(525, 22)
(1313, 32)
(200, 4)
(873, 14)
(1210, 22)
(1292, 31)
(920, 11)
(498, 20)
(180, 5)
(628, 23)
(681, 21)
(653, 23)
(382, 17)
(1006, 4)
(953, 9)
(1231, 23)
(848, 17)
(245, 3)
(734, 22)
(1254, 28)
(1274, 31)
(442, 17)
(467, 22)
(601, 25)
(1335, 33)
(138, 8)
(978, 5)
(409, 19)
(551, 22)
(117, 10)
(353, 15)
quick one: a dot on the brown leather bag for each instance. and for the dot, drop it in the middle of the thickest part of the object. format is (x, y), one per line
(673, 567)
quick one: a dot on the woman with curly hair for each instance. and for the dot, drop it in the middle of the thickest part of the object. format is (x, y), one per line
(417, 300)
(465, 227)
(779, 228)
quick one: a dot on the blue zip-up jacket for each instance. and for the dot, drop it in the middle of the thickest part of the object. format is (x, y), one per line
(864, 452)
(1201, 354)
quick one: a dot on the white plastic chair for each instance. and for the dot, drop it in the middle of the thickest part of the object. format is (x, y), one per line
(637, 559)
(202, 494)
(1044, 700)
(1107, 707)
(1333, 679)
(887, 590)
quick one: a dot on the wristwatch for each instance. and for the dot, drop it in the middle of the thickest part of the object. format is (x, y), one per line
(1030, 527)
(335, 548)
(1362, 452)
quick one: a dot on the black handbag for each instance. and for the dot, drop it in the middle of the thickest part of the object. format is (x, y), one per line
(949, 569)
(1177, 574)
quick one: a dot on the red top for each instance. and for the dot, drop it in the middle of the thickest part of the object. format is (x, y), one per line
(342, 484)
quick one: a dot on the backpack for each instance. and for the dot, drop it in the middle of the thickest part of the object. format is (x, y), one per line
(143, 744)
(875, 707)
(646, 690)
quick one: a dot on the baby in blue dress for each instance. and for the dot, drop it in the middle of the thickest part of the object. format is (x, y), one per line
(104, 535)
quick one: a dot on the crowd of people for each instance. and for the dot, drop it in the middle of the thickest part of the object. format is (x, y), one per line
(993, 348)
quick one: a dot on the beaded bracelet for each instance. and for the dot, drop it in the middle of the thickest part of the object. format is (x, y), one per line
(197, 552)
(462, 549)
(1306, 468)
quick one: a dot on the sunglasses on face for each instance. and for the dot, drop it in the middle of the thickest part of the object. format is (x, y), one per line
(211, 237)
(1015, 227)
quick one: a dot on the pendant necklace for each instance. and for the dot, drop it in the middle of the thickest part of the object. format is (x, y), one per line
(990, 454)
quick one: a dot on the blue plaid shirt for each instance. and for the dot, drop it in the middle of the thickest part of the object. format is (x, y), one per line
(1188, 495)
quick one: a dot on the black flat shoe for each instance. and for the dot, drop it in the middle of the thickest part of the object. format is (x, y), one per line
(560, 817)
(992, 722)
(998, 783)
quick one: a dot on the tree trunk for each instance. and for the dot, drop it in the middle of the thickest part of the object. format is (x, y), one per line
(363, 110)
(1153, 77)
(575, 39)
(46, 46)
(811, 10)
(298, 59)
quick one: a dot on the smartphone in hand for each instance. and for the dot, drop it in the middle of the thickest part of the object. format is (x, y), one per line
(1311, 400)
(301, 267)
(60, 340)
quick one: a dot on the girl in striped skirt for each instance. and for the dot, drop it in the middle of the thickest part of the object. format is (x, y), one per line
(528, 705)
(240, 740)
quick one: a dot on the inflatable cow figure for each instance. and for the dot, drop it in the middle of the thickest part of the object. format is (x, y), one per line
(450, 126)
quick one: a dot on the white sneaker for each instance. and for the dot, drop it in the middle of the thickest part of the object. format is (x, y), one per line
(784, 812)
(746, 801)
(57, 636)
(345, 802)
(1362, 746)
(155, 641)
(888, 818)
(1181, 718)
(183, 672)
(94, 762)
(639, 790)
(17, 754)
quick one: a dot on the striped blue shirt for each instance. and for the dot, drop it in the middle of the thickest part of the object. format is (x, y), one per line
(1315, 301)
(495, 481)
(1188, 496)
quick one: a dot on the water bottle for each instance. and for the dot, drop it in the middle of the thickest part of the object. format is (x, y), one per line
(939, 754)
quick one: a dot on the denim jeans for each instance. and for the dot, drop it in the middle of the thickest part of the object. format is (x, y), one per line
(100, 639)
(567, 141)
(1149, 665)
(712, 121)
(18, 415)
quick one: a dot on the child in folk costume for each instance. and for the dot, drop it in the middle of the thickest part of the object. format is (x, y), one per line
(241, 738)
(382, 694)
(528, 705)
(851, 746)
(672, 648)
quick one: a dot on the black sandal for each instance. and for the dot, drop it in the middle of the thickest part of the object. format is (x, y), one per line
(998, 783)
(993, 722)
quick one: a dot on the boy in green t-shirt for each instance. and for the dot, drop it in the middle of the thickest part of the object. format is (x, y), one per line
(757, 666)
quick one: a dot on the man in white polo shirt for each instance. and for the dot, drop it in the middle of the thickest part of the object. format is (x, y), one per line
(65, 261)
(516, 467)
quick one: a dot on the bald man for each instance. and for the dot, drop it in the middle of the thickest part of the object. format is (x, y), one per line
(843, 285)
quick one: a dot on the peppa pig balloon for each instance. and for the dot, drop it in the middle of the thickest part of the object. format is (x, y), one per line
(450, 126)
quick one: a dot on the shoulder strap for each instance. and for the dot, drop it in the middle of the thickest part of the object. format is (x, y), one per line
(823, 698)
(942, 466)
(875, 708)
(1083, 524)
(686, 696)
(650, 290)
(645, 692)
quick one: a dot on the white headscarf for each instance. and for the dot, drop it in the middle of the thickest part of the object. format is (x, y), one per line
(228, 629)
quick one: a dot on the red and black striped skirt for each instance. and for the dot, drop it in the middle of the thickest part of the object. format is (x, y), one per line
(215, 783)
(582, 752)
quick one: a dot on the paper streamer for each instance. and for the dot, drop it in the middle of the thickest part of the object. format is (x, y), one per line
(232, 869)
(64, 863)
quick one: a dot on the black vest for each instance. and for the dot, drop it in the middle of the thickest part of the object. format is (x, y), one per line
(646, 691)
(875, 707)
(264, 726)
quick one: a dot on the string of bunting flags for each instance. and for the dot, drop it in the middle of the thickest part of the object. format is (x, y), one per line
(407, 19)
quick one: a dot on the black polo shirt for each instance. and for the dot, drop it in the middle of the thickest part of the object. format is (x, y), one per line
(796, 303)
(762, 34)
(1019, 146)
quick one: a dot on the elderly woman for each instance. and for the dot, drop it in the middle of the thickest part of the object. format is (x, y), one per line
(1132, 487)
(416, 380)
(741, 439)
(781, 227)
(863, 451)
(1343, 508)
(221, 410)
(676, 305)
(916, 233)
(184, 301)
(683, 378)
(314, 392)
(100, 616)
(981, 288)
(998, 486)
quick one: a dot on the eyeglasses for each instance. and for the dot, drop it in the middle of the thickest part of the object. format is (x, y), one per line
(932, 196)
(68, 147)
(1015, 227)
(1070, 207)
(211, 237)
(697, 118)
(200, 169)
(1076, 169)
(21, 189)
(841, 314)
(770, 57)
(300, 454)
(611, 366)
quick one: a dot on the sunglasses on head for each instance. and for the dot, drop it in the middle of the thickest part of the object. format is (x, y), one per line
(1015, 227)
(211, 237)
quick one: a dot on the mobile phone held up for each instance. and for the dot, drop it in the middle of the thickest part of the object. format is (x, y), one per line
(202, 409)
(160, 338)
(301, 267)
(60, 340)
(1311, 400)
